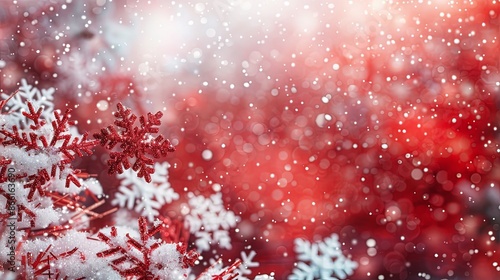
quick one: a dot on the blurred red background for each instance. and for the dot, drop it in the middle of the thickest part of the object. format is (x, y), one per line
(377, 120)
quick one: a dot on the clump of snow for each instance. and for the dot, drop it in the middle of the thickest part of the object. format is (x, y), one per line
(80, 264)
(29, 162)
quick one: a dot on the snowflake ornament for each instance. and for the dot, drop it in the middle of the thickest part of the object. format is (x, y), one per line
(52, 212)
(209, 221)
(321, 260)
(147, 197)
(136, 142)
(42, 151)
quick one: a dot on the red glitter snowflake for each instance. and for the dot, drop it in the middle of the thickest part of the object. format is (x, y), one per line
(48, 148)
(136, 143)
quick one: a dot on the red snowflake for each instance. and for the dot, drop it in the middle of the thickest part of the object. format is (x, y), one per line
(136, 143)
(141, 265)
(36, 140)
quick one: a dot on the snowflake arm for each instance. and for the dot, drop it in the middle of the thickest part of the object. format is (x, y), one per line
(246, 264)
(6, 99)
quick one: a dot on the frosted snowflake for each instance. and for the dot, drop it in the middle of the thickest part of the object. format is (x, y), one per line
(321, 260)
(140, 255)
(17, 104)
(147, 198)
(42, 148)
(209, 221)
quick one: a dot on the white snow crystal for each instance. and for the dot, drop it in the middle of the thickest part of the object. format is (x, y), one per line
(17, 104)
(321, 260)
(263, 277)
(147, 198)
(209, 221)
(93, 185)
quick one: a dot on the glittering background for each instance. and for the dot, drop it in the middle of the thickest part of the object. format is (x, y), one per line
(377, 120)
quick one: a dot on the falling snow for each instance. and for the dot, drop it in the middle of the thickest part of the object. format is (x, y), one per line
(313, 139)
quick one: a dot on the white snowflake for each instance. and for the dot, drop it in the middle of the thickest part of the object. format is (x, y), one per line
(147, 198)
(209, 221)
(17, 104)
(321, 260)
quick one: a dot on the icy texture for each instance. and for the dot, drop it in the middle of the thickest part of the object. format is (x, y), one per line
(82, 262)
(41, 207)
